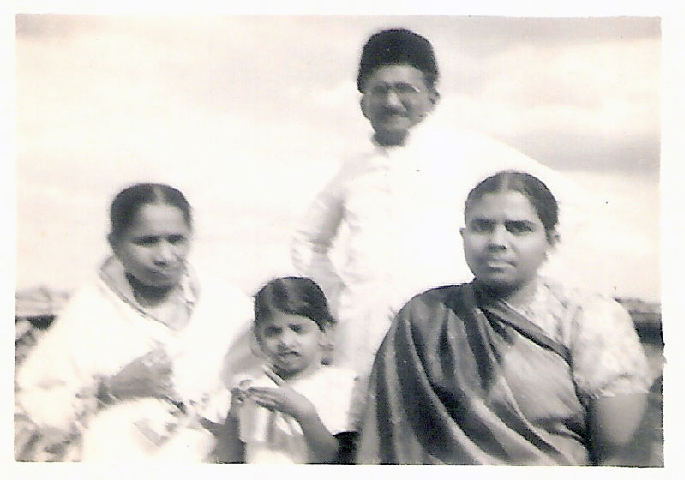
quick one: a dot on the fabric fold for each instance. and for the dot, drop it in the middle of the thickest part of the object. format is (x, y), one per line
(445, 390)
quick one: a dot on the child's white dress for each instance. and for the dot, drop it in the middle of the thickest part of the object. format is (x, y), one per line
(274, 437)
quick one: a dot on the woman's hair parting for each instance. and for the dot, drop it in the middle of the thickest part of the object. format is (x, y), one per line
(128, 202)
(295, 296)
(531, 187)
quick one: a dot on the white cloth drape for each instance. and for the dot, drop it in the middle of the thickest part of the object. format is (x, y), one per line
(96, 335)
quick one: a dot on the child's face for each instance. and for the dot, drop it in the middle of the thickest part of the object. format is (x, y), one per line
(292, 343)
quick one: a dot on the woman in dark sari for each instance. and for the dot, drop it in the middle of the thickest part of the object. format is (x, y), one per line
(510, 368)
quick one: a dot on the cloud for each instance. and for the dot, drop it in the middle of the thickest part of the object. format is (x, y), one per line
(250, 115)
(482, 37)
(277, 72)
(617, 250)
(592, 107)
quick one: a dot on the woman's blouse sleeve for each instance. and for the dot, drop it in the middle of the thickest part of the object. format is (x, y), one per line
(608, 359)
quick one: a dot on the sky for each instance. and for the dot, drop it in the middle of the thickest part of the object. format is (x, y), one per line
(250, 115)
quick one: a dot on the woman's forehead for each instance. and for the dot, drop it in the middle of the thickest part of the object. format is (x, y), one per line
(510, 205)
(158, 218)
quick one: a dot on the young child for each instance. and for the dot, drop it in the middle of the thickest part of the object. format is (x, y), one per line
(298, 409)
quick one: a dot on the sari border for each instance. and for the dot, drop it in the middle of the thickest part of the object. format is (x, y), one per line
(506, 314)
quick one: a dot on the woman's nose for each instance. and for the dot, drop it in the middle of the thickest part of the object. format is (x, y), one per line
(498, 237)
(164, 252)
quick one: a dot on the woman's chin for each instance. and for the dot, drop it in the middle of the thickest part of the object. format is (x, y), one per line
(500, 285)
(156, 282)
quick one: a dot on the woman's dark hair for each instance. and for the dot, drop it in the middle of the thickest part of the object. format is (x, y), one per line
(531, 187)
(128, 202)
(295, 296)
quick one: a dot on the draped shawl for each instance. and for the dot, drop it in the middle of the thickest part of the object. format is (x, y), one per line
(100, 331)
(461, 378)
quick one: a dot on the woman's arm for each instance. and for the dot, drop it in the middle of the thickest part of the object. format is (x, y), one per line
(610, 369)
(228, 448)
(146, 376)
(613, 421)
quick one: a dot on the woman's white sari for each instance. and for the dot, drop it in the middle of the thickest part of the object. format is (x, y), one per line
(103, 329)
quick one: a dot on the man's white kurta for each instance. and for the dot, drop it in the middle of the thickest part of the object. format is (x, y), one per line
(395, 215)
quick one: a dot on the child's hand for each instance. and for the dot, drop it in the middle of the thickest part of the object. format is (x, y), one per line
(283, 399)
(237, 399)
(238, 396)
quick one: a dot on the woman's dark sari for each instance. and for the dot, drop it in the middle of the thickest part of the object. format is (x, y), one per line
(461, 378)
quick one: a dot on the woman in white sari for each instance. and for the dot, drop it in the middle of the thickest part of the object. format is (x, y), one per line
(131, 370)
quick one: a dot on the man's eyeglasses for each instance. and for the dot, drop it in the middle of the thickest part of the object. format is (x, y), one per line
(401, 89)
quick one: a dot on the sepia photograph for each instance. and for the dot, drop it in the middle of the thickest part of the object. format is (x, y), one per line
(338, 239)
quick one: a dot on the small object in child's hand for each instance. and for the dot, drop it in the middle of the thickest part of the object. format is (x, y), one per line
(242, 384)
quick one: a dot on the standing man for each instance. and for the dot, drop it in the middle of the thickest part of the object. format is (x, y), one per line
(394, 212)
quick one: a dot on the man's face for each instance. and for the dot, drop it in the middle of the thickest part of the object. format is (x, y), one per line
(396, 98)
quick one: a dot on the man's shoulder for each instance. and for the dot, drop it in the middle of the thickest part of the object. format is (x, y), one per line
(441, 129)
(352, 170)
(356, 163)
